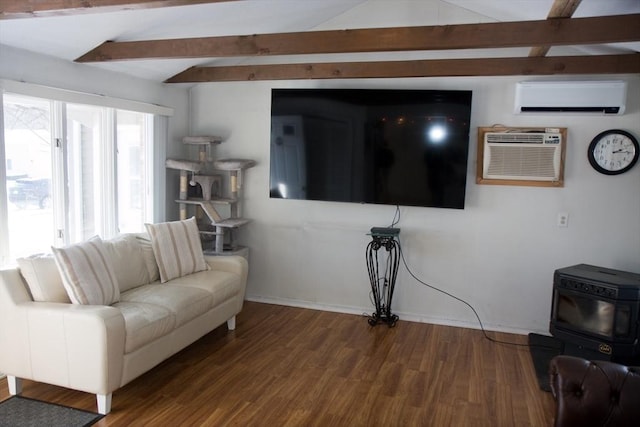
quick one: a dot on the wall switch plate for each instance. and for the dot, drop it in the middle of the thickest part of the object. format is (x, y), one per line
(563, 219)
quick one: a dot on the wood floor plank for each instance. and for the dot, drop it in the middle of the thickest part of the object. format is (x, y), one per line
(289, 366)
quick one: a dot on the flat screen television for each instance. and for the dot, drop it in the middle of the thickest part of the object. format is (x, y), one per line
(382, 146)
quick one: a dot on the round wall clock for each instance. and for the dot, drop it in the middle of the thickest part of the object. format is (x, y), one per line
(613, 152)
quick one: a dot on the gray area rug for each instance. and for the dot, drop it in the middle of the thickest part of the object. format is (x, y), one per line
(18, 411)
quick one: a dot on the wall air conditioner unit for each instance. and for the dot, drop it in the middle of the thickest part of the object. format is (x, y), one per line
(531, 157)
(599, 97)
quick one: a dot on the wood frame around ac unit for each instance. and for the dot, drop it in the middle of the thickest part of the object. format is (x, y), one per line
(529, 183)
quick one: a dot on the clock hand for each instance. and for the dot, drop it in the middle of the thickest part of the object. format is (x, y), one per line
(621, 151)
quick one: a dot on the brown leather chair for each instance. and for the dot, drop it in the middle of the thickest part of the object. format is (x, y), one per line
(594, 393)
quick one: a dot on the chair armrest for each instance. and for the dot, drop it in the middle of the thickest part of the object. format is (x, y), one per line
(594, 393)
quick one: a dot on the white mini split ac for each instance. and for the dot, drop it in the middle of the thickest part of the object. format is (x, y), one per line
(599, 97)
(525, 156)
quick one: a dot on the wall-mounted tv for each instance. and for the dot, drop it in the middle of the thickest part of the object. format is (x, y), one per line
(383, 146)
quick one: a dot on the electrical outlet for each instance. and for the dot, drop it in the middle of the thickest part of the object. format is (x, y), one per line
(563, 219)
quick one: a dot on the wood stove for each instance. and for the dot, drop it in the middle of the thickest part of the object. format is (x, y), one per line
(595, 312)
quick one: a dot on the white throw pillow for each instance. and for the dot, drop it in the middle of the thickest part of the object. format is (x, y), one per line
(177, 248)
(87, 273)
(149, 258)
(43, 278)
(127, 261)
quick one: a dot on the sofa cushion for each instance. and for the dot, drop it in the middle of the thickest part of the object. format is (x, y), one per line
(177, 248)
(87, 273)
(43, 278)
(128, 261)
(222, 285)
(144, 323)
(184, 303)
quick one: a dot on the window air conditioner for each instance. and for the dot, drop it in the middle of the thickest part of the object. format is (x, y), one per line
(523, 156)
(599, 97)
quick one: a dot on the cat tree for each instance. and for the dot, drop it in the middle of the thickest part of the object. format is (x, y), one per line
(217, 224)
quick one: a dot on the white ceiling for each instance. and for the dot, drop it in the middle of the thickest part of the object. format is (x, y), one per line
(68, 37)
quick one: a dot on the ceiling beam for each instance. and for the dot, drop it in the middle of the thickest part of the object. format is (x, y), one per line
(604, 64)
(11, 9)
(559, 9)
(574, 31)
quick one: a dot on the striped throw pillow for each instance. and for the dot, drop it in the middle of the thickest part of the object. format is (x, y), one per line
(87, 273)
(177, 248)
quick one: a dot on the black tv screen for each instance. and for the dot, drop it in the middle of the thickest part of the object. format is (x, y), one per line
(396, 147)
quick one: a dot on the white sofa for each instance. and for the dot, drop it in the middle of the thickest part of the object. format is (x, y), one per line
(100, 348)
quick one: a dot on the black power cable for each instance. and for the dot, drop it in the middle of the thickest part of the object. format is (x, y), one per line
(395, 221)
(484, 332)
(396, 217)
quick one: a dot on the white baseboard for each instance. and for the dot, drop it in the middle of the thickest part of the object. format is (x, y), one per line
(410, 317)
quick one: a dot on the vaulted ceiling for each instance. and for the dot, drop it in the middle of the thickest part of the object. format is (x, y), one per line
(184, 41)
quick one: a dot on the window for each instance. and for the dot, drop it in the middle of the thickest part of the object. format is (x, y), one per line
(87, 158)
(134, 168)
(71, 171)
(28, 159)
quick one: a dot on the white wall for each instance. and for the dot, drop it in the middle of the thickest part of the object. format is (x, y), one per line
(23, 66)
(499, 253)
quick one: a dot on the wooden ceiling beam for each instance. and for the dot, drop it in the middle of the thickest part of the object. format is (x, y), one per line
(604, 64)
(574, 31)
(11, 9)
(559, 9)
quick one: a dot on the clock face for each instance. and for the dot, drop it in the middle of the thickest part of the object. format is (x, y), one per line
(613, 152)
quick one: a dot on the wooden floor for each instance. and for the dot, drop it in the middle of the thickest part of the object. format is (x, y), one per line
(285, 366)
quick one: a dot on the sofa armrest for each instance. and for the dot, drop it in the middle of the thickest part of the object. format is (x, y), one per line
(232, 264)
(75, 346)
